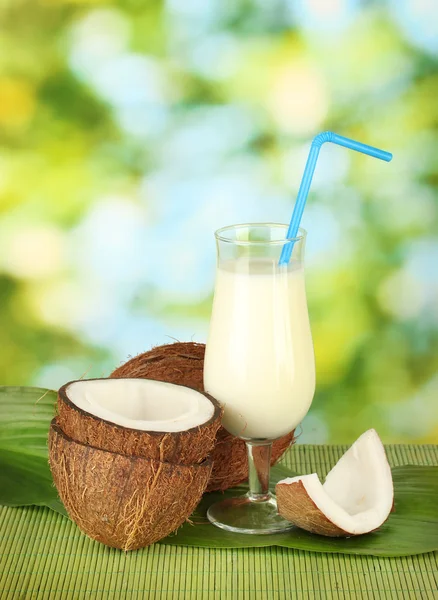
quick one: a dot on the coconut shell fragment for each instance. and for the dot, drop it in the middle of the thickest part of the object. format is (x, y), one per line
(183, 363)
(126, 502)
(356, 497)
(298, 508)
(184, 447)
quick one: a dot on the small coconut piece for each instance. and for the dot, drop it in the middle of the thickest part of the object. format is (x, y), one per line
(356, 498)
(126, 502)
(140, 417)
(183, 363)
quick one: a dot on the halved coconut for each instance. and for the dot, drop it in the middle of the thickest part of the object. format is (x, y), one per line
(356, 498)
(140, 417)
(126, 502)
(183, 363)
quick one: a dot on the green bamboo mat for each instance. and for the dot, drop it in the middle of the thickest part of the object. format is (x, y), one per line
(43, 555)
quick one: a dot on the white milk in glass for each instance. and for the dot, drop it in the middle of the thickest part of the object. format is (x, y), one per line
(259, 360)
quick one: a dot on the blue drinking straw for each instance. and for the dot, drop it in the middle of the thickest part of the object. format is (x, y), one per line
(318, 141)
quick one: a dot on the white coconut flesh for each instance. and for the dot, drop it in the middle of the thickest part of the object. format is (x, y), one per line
(142, 404)
(358, 493)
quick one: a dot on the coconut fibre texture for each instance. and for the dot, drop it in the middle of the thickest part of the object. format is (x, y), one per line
(184, 447)
(295, 505)
(183, 363)
(126, 502)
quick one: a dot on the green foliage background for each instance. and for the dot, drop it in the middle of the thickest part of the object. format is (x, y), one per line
(129, 131)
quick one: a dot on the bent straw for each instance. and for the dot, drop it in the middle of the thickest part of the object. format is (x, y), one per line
(318, 141)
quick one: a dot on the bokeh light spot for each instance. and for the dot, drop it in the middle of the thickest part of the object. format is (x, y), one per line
(323, 16)
(33, 252)
(17, 102)
(298, 99)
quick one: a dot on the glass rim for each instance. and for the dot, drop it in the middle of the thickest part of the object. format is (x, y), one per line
(223, 238)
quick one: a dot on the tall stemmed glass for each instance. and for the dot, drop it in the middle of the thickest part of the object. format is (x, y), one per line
(259, 360)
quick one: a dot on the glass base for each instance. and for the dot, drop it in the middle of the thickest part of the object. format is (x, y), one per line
(248, 514)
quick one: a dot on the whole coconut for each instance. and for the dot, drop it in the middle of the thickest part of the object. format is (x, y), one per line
(183, 363)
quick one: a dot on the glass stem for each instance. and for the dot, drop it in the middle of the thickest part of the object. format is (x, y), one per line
(259, 466)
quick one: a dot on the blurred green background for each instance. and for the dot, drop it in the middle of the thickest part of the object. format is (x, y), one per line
(131, 130)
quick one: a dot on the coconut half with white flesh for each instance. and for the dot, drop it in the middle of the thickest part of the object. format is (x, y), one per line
(356, 498)
(129, 457)
(140, 417)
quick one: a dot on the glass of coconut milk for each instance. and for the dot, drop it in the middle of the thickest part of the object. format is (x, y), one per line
(259, 361)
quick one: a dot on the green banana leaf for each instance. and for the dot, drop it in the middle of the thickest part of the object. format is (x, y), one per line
(25, 479)
(411, 529)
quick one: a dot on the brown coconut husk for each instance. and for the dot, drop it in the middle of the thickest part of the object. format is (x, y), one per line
(295, 505)
(184, 447)
(183, 363)
(126, 502)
